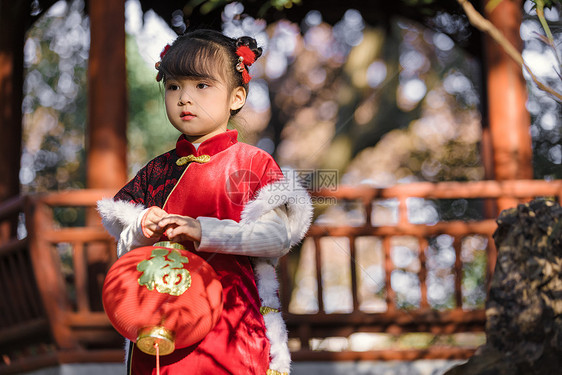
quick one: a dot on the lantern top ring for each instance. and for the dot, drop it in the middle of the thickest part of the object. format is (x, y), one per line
(170, 244)
(148, 337)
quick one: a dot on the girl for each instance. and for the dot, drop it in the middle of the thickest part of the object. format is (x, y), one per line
(225, 200)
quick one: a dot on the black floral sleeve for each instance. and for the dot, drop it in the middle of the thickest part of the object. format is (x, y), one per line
(153, 183)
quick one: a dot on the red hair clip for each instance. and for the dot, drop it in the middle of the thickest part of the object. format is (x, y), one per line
(159, 76)
(246, 57)
(164, 51)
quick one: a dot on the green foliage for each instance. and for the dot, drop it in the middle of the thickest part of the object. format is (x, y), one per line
(207, 6)
(280, 4)
(545, 3)
(474, 280)
(55, 102)
(536, 4)
(55, 105)
(149, 132)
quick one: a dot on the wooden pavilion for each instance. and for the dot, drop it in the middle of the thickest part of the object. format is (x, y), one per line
(48, 317)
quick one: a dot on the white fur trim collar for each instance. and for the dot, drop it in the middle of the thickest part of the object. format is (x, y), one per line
(115, 215)
(275, 328)
(289, 192)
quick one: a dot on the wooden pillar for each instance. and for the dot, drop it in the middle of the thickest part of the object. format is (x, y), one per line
(14, 18)
(107, 122)
(107, 96)
(509, 121)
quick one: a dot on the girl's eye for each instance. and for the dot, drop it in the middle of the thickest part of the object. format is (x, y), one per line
(173, 87)
(202, 85)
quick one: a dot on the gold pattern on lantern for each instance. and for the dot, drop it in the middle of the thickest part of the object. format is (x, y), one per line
(165, 271)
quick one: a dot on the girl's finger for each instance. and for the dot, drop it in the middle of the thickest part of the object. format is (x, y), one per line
(167, 221)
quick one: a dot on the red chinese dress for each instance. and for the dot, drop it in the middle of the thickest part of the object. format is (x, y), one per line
(220, 187)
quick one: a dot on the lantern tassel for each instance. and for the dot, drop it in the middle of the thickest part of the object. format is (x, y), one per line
(157, 358)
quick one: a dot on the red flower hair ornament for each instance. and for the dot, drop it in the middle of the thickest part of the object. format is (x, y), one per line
(159, 76)
(246, 57)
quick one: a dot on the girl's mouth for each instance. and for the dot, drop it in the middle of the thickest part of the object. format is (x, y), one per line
(187, 115)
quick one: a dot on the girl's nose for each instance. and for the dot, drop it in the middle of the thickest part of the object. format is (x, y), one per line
(184, 98)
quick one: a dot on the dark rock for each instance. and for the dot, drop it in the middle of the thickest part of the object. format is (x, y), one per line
(524, 307)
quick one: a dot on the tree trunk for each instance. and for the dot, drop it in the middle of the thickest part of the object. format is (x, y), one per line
(524, 307)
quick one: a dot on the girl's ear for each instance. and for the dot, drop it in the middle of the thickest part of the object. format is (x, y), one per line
(238, 98)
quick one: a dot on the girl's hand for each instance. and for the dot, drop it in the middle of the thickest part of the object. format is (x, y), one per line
(181, 228)
(150, 220)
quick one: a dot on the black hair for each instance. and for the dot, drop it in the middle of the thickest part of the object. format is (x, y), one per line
(206, 54)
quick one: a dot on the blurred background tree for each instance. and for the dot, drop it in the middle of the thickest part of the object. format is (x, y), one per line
(323, 97)
(149, 131)
(54, 106)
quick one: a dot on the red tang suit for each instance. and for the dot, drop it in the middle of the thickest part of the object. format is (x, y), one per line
(222, 182)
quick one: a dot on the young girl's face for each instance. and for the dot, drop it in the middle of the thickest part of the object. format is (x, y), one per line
(200, 107)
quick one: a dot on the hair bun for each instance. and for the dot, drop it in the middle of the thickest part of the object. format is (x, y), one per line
(250, 43)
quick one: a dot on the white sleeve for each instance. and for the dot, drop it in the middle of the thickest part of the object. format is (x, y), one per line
(132, 236)
(123, 221)
(269, 236)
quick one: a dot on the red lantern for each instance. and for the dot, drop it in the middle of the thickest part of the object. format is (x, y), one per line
(162, 297)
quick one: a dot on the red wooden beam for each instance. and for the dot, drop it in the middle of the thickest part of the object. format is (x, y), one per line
(449, 190)
(508, 117)
(107, 96)
(453, 228)
(13, 20)
(107, 119)
(47, 270)
(14, 16)
(442, 352)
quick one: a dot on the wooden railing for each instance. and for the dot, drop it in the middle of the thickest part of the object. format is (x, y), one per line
(51, 313)
(57, 272)
(22, 317)
(422, 318)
